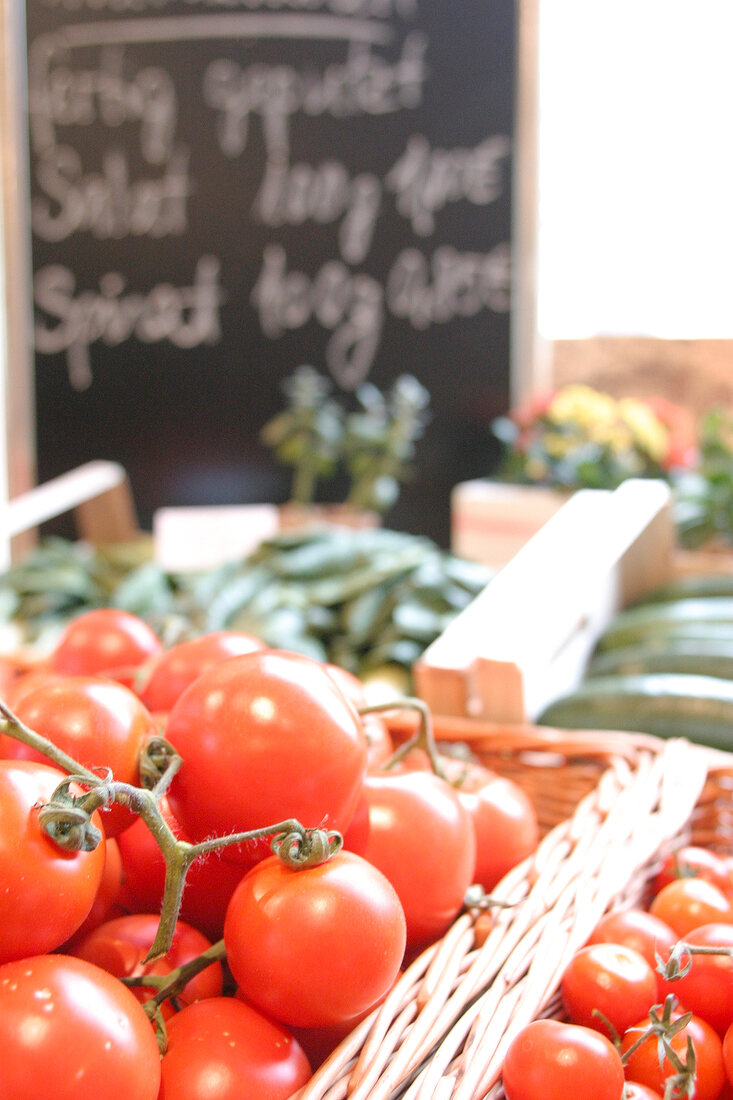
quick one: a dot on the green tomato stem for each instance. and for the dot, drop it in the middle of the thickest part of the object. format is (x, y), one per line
(424, 738)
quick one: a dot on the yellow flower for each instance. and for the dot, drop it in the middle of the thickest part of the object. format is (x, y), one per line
(582, 405)
(649, 434)
(557, 445)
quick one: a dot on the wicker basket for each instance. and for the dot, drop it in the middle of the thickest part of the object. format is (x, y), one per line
(609, 806)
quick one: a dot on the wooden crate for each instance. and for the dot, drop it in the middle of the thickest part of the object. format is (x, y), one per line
(526, 639)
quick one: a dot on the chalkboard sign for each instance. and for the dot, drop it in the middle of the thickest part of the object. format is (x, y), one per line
(222, 190)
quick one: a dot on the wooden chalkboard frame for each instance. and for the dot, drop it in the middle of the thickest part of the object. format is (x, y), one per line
(527, 362)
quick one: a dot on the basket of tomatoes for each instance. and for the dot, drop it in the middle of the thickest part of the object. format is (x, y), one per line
(226, 873)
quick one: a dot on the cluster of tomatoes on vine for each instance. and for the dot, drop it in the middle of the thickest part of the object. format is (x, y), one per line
(648, 1000)
(242, 807)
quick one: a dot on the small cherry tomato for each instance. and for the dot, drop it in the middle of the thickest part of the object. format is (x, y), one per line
(643, 1064)
(634, 1091)
(120, 946)
(692, 861)
(224, 1049)
(105, 641)
(109, 897)
(316, 946)
(610, 979)
(46, 891)
(65, 1024)
(100, 723)
(550, 1060)
(175, 668)
(728, 1053)
(707, 987)
(422, 838)
(686, 903)
(376, 731)
(641, 930)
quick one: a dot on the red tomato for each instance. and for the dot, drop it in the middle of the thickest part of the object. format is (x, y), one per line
(107, 903)
(505, 824)
(210, 881)
(316, 946)
(643, 1065)
(265, 737)
(380, 747)
(549, 1060)
(707, 988)
(120, 947)
(175, 668)
(224, 1049)
(356, 836)
(27, 681)
(105, 641)
(641, 930)
(609, 978)
(728, 1054)
(504, 819)
(46, 891)
(691, 861)
(634, 1091)
(98, 722)
(686, 903)
(422, 838)
(66, 1025)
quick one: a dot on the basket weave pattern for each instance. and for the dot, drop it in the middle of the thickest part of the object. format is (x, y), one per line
(609, 806)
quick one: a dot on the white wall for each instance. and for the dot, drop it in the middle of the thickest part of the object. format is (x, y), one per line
(635, 171)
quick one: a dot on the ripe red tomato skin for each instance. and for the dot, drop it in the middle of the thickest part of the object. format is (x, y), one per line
(107, 903)
(91, 1026)
(537, 1065)
(612, 979)
(330, 939)
(121, 945)
(707, 989)
(687, 903)
(643, 1065)
(421, 837)
(264, 1061)
(47, 892)
(728, 1054)
(104, 641)
(175, 668)
(506, 828)
(504, 819)
(98, 722)
(693, 861)
(636, 1091)
(265, 737)
(639, 929)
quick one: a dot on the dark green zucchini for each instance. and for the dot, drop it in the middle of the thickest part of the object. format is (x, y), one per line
(699, 708)
(693, 617)
(701, 657)
(691, 586)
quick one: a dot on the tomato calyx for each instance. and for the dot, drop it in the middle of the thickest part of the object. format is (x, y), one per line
(665, 1026)
(67, 821)
(299, 848)
(680, 958)
(158, 763)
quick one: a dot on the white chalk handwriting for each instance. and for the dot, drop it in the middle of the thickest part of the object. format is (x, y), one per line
(70, 321)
